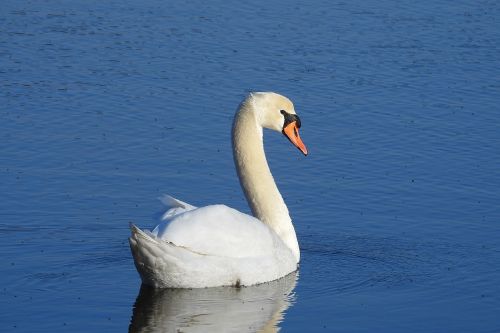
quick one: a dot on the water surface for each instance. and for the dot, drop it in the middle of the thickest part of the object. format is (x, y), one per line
(104, 106)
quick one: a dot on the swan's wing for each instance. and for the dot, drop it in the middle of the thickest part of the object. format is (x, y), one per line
(217, 231)
(174, 207)
(220, 231)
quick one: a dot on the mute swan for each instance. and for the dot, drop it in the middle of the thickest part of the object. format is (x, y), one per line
(220, 246)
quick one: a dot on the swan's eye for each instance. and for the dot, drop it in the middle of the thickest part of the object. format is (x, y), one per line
(283, 112)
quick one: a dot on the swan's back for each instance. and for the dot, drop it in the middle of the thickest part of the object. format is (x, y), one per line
(220, 231)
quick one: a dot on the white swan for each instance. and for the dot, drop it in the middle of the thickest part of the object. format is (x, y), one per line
(217, 245)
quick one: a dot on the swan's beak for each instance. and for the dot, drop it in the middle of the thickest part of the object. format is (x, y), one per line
(291, 131)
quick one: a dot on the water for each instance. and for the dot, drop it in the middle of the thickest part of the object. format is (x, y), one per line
(106, 105)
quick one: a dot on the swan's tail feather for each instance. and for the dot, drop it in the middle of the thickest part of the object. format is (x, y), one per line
(141, 258)
(174, 207)
(159, 263)
(172, 202)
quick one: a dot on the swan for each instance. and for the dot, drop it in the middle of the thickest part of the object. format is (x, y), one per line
(217, 245)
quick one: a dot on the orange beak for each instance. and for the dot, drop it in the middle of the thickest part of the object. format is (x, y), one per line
(291, 131)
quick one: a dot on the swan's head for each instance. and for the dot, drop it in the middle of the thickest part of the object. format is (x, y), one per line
(276, 112)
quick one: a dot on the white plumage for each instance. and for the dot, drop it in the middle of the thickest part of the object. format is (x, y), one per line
(216, 245)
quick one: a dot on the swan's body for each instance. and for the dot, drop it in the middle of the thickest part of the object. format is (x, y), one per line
(217, 245)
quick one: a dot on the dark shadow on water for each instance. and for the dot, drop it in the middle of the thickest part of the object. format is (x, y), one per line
(258, 308)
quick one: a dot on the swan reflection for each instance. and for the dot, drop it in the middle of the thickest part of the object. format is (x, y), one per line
(223, 309)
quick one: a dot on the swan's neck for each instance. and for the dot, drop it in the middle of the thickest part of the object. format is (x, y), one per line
(256, 179)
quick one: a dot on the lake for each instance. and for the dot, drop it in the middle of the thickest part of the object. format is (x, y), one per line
(105, 106)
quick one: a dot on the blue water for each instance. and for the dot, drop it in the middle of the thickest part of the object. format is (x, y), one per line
(104, 106)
